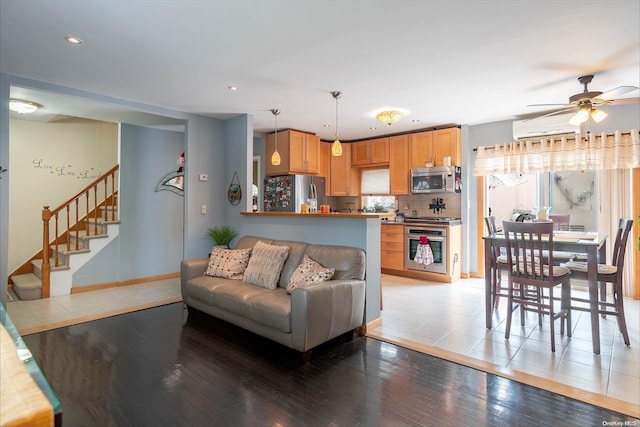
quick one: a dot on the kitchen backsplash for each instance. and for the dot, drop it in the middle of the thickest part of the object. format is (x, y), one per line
(420, 204)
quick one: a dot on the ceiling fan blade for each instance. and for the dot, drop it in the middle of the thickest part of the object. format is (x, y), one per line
(548, 105)
(614, 93)
(624, 101)
(553, 113)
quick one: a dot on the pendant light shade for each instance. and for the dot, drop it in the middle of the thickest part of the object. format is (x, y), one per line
(336, 148)
(275, 157)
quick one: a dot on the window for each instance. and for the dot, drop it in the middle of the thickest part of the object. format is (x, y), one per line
(375, 189)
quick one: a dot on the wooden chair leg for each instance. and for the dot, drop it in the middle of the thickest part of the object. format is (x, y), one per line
(622, 323)
(507, 331)
(552, 321)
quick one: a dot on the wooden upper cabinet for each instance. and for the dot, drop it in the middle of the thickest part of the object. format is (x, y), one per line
(325, 164)
(399, 164)
(344, 178)
(446, 142)
(299, 153)
(373, 152)
(420, 149)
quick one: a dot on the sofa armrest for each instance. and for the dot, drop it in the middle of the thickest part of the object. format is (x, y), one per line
(190, 268)
(325, 310)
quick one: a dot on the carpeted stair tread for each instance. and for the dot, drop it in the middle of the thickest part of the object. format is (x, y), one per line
(27, 286)
(37, 263)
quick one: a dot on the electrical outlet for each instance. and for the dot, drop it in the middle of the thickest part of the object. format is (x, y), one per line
(203, 210)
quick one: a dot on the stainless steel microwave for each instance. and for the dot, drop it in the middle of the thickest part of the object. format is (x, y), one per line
(436, 180)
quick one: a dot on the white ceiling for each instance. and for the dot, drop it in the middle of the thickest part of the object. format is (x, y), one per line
(444, 61)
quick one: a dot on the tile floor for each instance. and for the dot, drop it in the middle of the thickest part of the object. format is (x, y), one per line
(441, 319)
(446, 320)
(38, 315)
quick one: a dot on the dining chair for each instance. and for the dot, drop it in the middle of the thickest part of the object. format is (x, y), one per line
(527, 269)
(608, 273)
(498, 264)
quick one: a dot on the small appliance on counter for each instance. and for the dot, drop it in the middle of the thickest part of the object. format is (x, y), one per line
(287, 193)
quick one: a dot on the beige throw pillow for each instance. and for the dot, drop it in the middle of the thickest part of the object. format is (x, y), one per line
(228, 263)
(309, 272)
(265, 265)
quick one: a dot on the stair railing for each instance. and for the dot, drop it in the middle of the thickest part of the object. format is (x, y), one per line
(75, 215)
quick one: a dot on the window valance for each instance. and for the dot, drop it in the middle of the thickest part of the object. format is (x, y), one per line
(619, 150)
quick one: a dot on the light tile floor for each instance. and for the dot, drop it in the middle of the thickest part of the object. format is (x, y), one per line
(448, 320)
(38, 315)
(442, 319)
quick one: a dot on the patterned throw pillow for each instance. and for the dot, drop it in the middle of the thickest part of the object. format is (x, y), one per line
(228, 263)
(265, 265)
(309, 272)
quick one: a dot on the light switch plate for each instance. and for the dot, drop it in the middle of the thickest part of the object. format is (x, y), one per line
(204, 177)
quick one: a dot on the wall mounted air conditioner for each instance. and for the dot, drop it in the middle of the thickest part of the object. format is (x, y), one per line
(543, 126)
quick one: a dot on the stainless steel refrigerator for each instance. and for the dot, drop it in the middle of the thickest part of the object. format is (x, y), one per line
(286, 193)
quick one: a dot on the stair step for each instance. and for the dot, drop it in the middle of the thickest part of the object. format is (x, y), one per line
(62, 250)
(27, 286)
(37, 264)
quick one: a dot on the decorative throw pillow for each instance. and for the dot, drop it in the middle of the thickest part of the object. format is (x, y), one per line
(228, 263)
(265, 265)
(309, 272)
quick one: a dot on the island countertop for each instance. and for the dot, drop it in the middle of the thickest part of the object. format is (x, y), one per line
(360, 215)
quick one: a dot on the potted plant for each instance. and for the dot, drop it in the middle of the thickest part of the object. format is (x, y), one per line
(221, 235)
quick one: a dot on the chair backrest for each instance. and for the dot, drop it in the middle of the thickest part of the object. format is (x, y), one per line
(490, 221)
(624, 228)
(560, 221)
(525, 243)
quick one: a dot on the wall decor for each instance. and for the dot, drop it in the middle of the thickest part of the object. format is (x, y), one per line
(173, 181)
(234, 194)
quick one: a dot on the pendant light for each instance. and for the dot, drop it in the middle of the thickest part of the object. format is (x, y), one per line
(336, 148)
(275, 157)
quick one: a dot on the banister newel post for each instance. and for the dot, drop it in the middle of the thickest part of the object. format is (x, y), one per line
(46, 266)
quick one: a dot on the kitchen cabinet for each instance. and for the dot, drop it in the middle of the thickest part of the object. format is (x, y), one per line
(420, 149)
(399, 165)
(434, 146)
(373, 152)
(325, 164)
(392, 246)
(446, 142)
(344, 179)
(299, 153)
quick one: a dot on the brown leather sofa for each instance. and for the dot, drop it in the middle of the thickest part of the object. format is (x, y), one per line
(307, 317)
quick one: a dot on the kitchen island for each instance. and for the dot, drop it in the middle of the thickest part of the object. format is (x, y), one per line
(358, 229)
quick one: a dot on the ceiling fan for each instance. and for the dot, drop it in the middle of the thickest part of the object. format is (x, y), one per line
(587, 102)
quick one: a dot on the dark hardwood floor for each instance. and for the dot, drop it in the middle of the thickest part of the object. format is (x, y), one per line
(164, 366)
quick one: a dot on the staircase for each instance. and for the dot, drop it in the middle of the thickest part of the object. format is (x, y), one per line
(83, 235)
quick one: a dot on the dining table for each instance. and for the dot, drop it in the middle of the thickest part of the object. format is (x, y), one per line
(593, 244)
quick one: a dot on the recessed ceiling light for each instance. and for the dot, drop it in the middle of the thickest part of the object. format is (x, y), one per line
(373, 128)
(233, 88)
(415, 121)
(23, 107)
(326, 126)
(73, 40)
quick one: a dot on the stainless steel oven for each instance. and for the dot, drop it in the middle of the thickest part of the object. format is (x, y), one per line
(437, 241)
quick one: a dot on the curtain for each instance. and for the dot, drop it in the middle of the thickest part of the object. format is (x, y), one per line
(616, 203)
(620, 150)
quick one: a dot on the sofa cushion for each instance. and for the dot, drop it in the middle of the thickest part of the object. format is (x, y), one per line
(265, 265)
(204, 288)
(228, 263)
(349, 262)
(309, 272)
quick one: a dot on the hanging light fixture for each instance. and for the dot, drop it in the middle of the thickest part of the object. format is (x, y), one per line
(275, 157)
(389, 117)
(336, 148)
